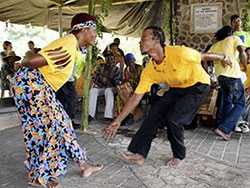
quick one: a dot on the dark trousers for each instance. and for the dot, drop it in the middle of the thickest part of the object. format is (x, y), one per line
(67, 96)
(176, 108)
(230, 102)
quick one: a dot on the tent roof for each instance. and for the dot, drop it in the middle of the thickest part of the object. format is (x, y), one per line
(45, 12)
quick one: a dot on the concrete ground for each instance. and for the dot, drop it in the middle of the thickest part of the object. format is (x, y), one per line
(211, 162)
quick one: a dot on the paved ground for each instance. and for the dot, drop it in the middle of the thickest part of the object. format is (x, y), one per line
(210, 162)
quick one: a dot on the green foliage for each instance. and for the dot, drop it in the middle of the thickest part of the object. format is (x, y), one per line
(99, 25)
(92, 54)
(105, 7)
(245, 20)
(166, 15)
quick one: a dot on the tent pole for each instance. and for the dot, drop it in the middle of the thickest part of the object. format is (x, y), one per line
(60, 28)
(171, 23)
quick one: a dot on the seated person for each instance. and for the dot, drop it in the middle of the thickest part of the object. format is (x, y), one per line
(105, 78)
(131, 78)
(118, 54)
(32, 48)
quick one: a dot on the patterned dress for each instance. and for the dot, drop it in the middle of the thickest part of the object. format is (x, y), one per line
(49, 137)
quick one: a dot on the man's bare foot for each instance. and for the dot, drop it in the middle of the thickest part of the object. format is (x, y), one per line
(133, 158)
(89, 169)
(173, 162)
(226, 137)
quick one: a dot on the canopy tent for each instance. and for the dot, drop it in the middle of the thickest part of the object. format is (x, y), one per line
(126, 17)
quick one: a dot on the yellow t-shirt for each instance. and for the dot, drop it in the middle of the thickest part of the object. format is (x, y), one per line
(247, 82)
(228, 46)
(244, 36)
(61, 55)
(180, 68)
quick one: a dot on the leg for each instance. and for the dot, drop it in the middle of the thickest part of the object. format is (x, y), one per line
(182, 113)
(234, 100)
(109, 100)
(93, 94)
(67, 96)
(142, 140)
(2, 93)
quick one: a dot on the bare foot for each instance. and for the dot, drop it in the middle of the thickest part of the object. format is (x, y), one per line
(226, 137)
(133, 158)
(52, 183)
(35, 183)
(173, 162)
(88, 169)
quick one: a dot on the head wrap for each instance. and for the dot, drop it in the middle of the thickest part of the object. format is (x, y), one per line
(82, 20)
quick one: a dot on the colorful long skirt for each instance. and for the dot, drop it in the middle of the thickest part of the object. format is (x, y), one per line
(49, 137)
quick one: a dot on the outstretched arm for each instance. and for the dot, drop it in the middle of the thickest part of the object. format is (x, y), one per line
(110, 131)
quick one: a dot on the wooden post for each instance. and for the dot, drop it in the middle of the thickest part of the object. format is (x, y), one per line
(60, 27)
(171, 22)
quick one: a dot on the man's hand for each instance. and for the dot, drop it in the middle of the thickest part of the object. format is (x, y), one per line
(110, 131)
(226, 61)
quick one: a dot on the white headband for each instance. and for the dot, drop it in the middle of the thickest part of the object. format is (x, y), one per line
(80, 26)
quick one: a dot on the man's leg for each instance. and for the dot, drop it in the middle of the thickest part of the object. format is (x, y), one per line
(182, 113)
(142, 140)
(224, 100)
(109, 100)
(235, 98)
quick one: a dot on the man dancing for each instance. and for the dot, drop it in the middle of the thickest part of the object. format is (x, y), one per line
(179, 67)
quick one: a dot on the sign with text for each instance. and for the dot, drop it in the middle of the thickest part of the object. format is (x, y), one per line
(206, 18)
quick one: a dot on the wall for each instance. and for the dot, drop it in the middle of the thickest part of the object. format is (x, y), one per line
(182, 21)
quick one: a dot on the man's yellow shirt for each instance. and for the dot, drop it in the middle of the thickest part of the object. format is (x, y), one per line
(61, 55)
(180, 68)
(228, 46)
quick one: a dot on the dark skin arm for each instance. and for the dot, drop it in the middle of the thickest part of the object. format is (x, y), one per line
(243, 57)
(216, 57)
(110, 131)
(33, 61)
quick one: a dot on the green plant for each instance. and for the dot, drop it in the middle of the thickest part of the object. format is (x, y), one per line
(105, 7)
(92, 54)
(245, 20)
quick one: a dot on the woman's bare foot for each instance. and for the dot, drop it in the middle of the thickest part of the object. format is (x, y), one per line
(35, 183)
(88, 169)
(173, 162)
(133, 158)
(52, 183)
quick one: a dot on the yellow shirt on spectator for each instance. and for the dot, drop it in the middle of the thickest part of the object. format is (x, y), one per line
(247, 82)
(181, 68)
(62, 56)
(244, 36)
(228, 46)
